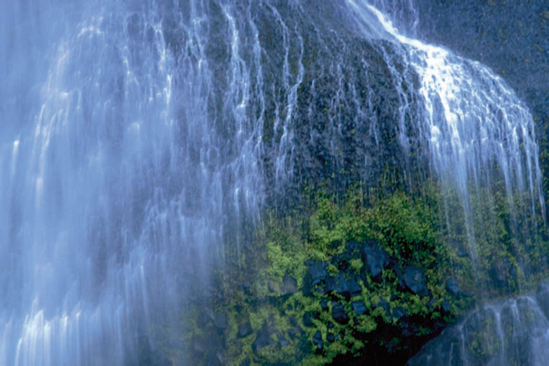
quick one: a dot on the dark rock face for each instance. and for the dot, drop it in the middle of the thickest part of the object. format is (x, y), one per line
(316, 275)
(263, 339)
(375, 258)
(414, 278)
(289, 285)
(337, 284)
(220, 321)
(308, 319)
(452, 287)
(317, 341)
(244, 330)
(338, 313)
(358, 307)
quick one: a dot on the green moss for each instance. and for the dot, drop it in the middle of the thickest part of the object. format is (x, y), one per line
(407, 227)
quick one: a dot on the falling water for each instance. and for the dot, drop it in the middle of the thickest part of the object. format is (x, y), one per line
(469, 119)
(139, 139)
(121, 159)
(511, 332)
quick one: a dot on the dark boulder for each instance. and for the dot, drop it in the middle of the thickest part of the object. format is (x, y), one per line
(289, 285)
(282, 341)
(354, 288)
(398, 312)
(375, 259)
(316, 275)
(308, 319)
(263, 339)
(324, 305)
(244, 330)
(415, 281)
(317, 341)
(352, 246)
(220, 321)
(338, 285)
(338, 313)
(358, 307)
(452, 286)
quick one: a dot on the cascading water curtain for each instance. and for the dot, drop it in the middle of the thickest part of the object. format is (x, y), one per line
(480, 142)
(126, 150)
(140, 142)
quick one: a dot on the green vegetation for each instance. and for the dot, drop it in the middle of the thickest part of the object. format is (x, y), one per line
(306, 291)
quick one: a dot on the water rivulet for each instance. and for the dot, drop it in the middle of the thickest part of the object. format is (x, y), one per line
(142, 141)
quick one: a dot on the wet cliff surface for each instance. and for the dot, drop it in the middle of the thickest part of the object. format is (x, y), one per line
(511, 37)
(263, 182)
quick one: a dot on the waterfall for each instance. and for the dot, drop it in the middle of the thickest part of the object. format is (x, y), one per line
(141, 140)
(477, 131)
(124, 153)
(508, 332)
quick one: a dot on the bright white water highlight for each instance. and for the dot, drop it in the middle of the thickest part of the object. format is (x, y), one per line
(469, 118)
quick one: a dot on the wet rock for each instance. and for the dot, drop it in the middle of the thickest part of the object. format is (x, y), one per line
(214, 359)
(542, 297)
(289, 285)
(263, 339)
(398, 312)
(375, 259)
(452, 286)
(324, 305)
(352, 246)
(316, 275)
(244, 330)
(415, 281)
(354, 288)
(282, 341)
(459, 247)
(317, 340)
(308, 319)
(220, 321)
(358, 307)
(337, 284)
(338, 313)
(199, 344)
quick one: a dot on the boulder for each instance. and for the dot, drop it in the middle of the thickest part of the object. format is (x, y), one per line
(354, 288)
(244, 330)
(263, 339)
(220, 320)
(308, 319)
(317, 340)
(289, 285)
(316, 275)
(338, 313)
(375, 259)
(415, 281)
(358, 307)
(452, 286)
(337, 284)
